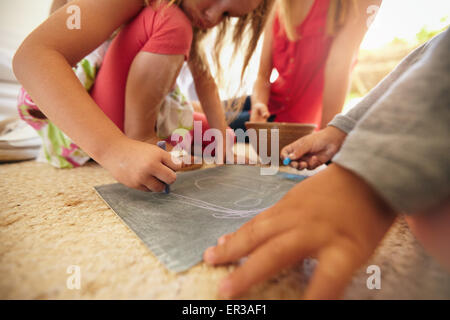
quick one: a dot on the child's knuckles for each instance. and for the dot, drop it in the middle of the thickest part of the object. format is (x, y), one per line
(154, 185)
(299, 150)
(142, 177)
(174, 163)
(250, 233)
(312, 164)
(177, 165)
(171, 178)
(294, 164)
(142, 188)
(135, 185)
(288, 150)
(130, 181)
(149, 168)
(323, 157)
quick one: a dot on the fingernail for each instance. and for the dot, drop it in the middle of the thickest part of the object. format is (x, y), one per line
(226, 288)
(221, 240)
(210, 255)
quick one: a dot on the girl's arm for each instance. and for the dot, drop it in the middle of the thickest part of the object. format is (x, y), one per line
(56, 4)
(149, 81)
(261, 88)
(43, 65)
(341, 58)
(208, 95)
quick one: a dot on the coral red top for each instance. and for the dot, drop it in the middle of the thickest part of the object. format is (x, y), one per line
(166, 30)
(296, 96)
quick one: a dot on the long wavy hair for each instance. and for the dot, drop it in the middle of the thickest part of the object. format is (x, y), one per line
(338, 13)
(248, 27)
(244, 32)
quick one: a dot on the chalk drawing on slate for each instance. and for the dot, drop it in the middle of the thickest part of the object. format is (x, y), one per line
(202, 206)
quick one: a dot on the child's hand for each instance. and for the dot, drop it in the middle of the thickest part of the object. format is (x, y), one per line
(333, 216)
(315, 149)
(141, 165)
(260, 113)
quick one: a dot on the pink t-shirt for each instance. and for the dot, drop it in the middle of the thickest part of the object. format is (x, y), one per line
(165, 30)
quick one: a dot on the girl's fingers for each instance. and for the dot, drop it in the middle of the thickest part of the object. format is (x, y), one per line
(302, 165)
(143, 188)
(297, 149)
(154, 185)
(165, 174)
(286, 151)
(242, 242)
(267, 260)
(313, 163)
(294, 164)
(332, 274)
(168, 161)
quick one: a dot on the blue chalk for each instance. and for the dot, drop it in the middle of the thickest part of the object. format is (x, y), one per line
(286, 161)
(162, 145)
(290, 176)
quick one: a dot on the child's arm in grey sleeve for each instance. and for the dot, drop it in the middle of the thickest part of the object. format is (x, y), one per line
(401, 145)
(346, 122)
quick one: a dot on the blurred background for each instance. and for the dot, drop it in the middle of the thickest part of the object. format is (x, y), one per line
(399, 27)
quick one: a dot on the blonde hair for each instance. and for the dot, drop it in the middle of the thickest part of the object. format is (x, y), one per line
(252, 24)
(338, 13)
(245, 32)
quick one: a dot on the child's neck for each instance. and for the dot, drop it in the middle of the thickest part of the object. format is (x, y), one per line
(300, 10)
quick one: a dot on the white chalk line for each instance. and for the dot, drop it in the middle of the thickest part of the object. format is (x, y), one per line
(219, 212)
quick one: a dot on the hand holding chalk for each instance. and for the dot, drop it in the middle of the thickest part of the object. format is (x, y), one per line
(162, 145)
(313, 150)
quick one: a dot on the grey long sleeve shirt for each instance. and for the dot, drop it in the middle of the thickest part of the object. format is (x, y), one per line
(399, 135)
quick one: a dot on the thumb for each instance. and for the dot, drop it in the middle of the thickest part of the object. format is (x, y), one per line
(297, 149)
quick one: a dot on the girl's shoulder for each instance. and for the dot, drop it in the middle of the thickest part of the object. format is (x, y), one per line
(165, 29)
(163, 12)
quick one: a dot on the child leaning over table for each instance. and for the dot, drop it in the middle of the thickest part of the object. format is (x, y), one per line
(119, 113)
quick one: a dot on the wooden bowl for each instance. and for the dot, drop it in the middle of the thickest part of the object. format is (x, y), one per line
(288, 132)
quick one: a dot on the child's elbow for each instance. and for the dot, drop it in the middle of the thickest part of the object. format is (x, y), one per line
(18, 62)
(25, 55)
